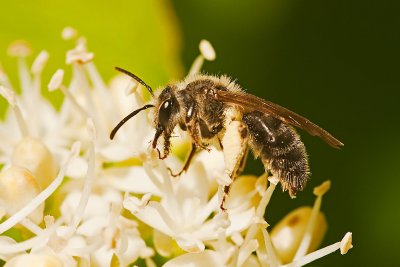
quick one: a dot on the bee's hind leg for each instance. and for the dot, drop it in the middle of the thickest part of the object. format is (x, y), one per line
(235, 143)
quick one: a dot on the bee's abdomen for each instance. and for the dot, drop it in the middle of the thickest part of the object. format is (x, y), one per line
(280, 149)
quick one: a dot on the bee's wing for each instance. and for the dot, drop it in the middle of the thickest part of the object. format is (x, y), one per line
(252, 103)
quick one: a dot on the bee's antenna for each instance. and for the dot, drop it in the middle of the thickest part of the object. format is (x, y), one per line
(136, 78)
(133, 113)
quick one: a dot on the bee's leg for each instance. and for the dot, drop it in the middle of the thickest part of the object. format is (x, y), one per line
(235, 143)
(167, 146)
(194, 131)
(187, 162)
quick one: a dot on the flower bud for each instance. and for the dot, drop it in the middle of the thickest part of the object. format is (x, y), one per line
(288, 233)
(38, 260)
(32, 154)
(17, 188)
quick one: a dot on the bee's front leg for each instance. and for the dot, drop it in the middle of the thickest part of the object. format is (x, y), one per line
(187, 163)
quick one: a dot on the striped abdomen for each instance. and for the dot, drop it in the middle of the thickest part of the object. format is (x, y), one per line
(280, 149)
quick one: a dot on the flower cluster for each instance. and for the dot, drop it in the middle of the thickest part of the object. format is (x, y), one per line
(69, 196)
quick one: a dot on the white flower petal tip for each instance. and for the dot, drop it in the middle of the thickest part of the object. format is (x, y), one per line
(207, 50)
(39, 62)
(56, 80)
(322, 188)
(273, 180)
(260, 221)
(19, 48)
(8, 95)
(146, 252)
(75, 148)
(192, 246)
(79, 55)
(42, 260)
(346, 243)
(135, 205)
(237, 238)
(221, 220)
(69, 33)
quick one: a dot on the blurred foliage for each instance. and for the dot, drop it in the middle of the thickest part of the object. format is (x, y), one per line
(141, 36)
(335, 62)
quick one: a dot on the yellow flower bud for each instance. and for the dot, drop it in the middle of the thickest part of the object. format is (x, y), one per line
(288, 233)
(32, 154)
(17, 188)
(38, 260)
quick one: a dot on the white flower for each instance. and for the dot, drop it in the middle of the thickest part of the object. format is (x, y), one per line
(90, 183)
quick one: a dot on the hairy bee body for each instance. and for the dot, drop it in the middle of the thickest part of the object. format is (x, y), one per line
(201, 114)
(280, 149)
(216, 110)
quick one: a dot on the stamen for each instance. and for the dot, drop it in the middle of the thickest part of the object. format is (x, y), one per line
(196, 66)
(134, 204)
(25, 79)
(345, 244)
(207, 50)
(78, 56)
(69, 33)
(42, 196)
(19, 48)
(273, 259)
(22, 246)
(56, 80)
(305, 242)
(79, 74)
(99, 86)
(56, 83)
(164, 214)
(74, 102)
(246, 251)
(207, 53)
(4, 78)
(266, 197)
(31, 226)
(88, 184)
(39, 62)
(12, 100)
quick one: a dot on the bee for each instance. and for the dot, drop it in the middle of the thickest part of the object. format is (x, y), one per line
(215, 110)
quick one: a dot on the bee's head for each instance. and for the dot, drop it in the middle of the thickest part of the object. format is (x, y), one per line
(167, 109)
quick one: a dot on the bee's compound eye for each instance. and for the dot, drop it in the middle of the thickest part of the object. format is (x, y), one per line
(165, 111)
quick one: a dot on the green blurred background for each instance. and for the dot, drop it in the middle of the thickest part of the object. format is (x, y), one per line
(335, 62)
